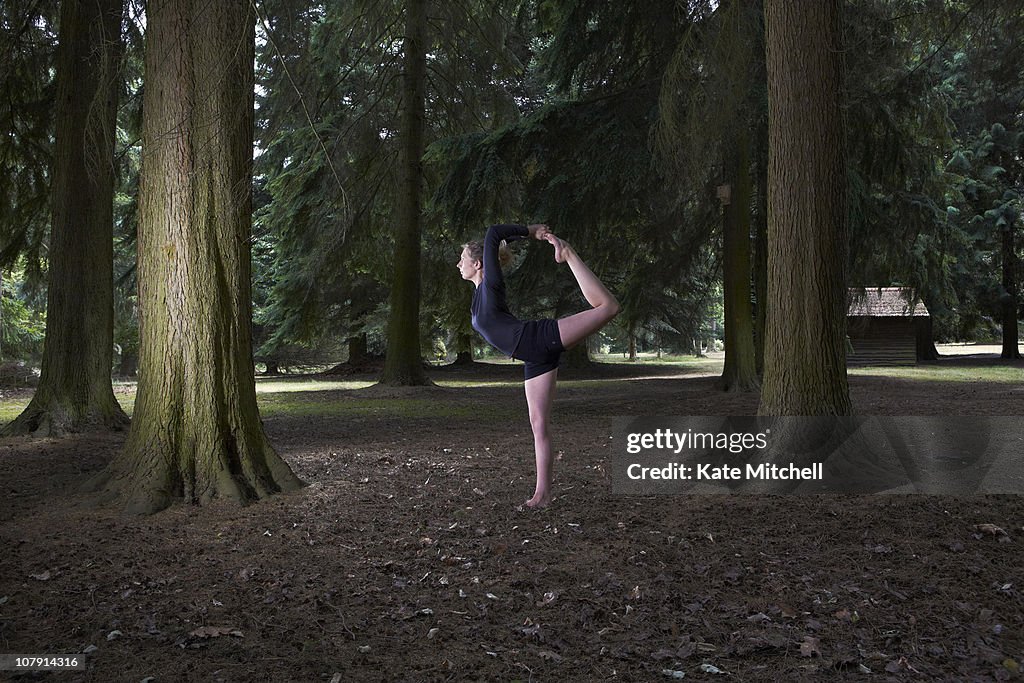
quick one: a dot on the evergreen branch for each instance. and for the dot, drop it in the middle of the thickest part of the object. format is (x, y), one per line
(937, 50)
(356, 61)
(302, 100)
(432, 69)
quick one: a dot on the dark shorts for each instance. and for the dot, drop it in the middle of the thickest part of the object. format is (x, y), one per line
(540, 347)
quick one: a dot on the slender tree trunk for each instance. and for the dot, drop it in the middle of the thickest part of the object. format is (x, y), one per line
(463, 348)
(925, 342)
(1010, 338)
(358, 351)
(196, 433)
(761, 244)
(740, 371)
(805, 368)
(631, 333)
(403, 364)
(128, 368)
(578, 357)
(74, 389)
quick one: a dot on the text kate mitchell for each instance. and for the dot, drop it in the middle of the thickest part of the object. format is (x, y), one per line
(709, 472)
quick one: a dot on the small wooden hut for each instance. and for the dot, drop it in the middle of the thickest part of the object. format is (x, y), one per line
(886, 326)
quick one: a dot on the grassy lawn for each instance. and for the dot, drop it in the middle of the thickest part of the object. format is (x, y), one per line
(281, 396)
(945, 373)
(11, 408)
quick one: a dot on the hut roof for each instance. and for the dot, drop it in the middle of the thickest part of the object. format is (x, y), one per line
(885, 302)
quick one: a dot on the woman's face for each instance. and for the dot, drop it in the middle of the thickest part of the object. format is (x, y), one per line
(468, 266)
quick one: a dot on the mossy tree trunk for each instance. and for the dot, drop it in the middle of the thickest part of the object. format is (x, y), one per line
(74, 390)
(403, 364)
(740, 371)
(196, 433)
(805, 368)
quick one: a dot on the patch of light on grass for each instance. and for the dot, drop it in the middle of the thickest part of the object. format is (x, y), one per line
(943, 374)
(11, 409)
(473, 384)
(714, 360)
(282, 386)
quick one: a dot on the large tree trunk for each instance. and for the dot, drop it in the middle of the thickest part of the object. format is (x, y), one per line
(740, 371)
(403, 364)
(74, 389)
(1009, 304)
(196, 433)
(805, 368)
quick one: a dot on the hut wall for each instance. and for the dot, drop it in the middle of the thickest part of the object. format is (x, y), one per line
(882, 341)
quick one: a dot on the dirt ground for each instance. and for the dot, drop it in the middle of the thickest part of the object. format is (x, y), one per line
(406, 557)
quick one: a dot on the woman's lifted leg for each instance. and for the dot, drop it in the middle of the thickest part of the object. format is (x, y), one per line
(575, 328)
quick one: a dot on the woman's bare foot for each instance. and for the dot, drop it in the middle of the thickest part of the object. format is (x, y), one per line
(538, 501)
(560, 247)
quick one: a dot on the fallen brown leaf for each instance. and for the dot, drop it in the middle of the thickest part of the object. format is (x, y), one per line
(810, 647)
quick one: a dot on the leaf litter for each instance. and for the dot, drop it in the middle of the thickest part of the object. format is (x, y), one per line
(372, 587)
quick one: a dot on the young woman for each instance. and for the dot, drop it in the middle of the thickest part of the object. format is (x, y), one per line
(539, 343)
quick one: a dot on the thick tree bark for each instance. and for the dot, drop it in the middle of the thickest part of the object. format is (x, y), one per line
(1011, 342)
(740, 371)
(74, 389)
(196, 433)
(403, 364)
(805, 368)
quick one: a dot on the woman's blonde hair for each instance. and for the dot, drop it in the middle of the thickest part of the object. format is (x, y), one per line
(476, 252)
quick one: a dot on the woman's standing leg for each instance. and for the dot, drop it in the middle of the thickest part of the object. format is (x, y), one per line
(540, 393)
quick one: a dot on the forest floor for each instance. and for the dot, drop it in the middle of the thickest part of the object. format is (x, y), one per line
(408, 558)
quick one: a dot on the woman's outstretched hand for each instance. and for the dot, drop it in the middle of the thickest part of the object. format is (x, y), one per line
(539, 231)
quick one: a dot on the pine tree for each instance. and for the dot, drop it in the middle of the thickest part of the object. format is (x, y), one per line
(403, 364)
(196, 433)
(74, 390)
(805, 365)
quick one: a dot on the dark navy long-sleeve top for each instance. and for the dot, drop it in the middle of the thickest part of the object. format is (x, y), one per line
(491, 317)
